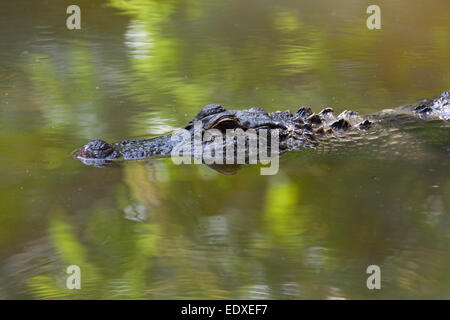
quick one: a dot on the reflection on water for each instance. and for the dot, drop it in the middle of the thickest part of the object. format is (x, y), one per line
(156, 230)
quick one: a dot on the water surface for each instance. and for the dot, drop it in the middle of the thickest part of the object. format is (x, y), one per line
(155, 230)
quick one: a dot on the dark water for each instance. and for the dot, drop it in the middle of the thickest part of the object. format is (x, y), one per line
(157, 230)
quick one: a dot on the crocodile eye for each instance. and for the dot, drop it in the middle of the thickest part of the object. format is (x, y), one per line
(227, 122)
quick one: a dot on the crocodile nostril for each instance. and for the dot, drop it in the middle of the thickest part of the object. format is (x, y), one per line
(96, 149)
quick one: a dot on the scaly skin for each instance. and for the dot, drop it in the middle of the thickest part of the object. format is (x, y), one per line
(303, 129)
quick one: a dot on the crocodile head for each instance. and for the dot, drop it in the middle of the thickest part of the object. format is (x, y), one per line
(294, 131)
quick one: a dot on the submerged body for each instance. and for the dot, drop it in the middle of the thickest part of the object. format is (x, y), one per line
(303, 129)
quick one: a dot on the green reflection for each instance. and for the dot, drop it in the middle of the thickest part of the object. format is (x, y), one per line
(155, 230)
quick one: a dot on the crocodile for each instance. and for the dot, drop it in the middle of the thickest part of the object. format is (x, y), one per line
(295, 131)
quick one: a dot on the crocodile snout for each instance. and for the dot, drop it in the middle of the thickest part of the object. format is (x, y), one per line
(96, 149)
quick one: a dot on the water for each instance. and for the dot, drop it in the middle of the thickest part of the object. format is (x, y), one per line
(156, 230)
